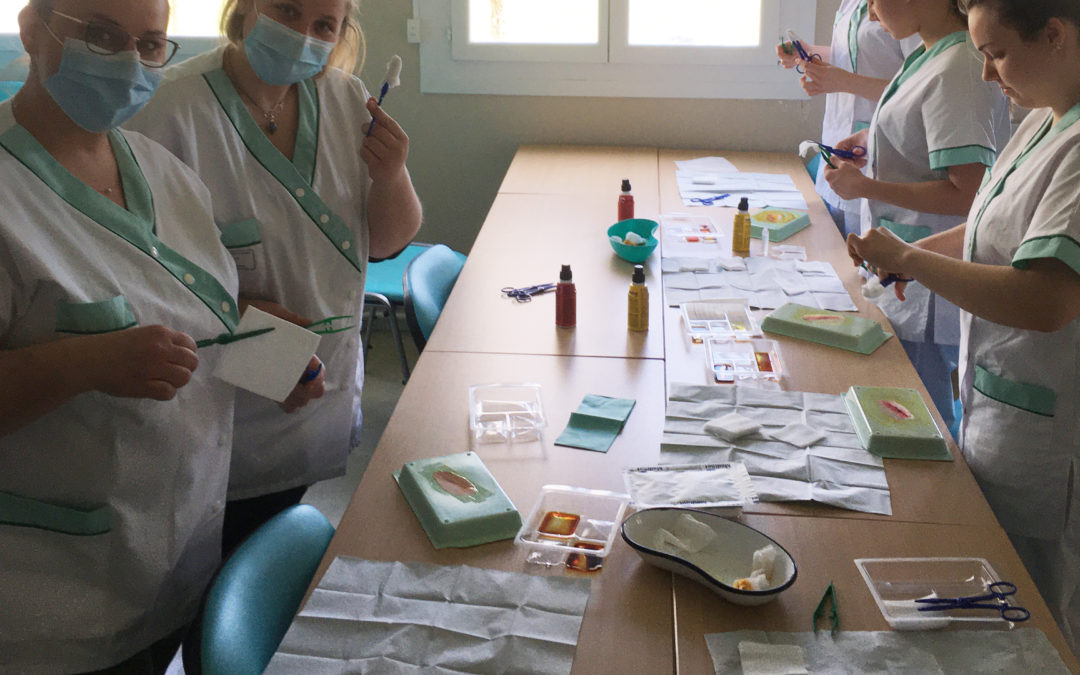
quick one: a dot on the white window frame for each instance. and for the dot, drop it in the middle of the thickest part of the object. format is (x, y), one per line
(612, 69)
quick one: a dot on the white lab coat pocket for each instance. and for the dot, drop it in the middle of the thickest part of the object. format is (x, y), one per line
(1008, 443)
(243, 240)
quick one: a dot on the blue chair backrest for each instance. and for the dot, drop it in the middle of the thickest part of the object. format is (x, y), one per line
(258, 590)
(429, 278)
(812, 166)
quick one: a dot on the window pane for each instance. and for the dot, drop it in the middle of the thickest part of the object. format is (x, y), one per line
(195, 18)
(532, 22)
(695, 23)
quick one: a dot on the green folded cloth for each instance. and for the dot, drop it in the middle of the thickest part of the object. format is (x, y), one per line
(597, 422)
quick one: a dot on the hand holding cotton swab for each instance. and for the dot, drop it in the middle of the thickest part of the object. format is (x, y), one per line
(393, 79)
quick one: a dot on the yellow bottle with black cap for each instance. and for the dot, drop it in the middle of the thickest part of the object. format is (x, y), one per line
(740, 233)
(637, 302)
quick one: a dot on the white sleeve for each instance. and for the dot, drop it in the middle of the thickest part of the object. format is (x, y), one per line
(964, 116)
(1054, 231)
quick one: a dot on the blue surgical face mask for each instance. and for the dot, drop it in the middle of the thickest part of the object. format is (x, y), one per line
(100, 92)
(281, 56)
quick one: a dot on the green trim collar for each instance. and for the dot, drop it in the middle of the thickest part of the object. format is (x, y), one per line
(1045, 134)
(296, 176)
(136, 226)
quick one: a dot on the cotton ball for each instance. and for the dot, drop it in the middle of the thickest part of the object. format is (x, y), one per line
(872, 288)
(694, 534)
(393, 71)
(807, 148)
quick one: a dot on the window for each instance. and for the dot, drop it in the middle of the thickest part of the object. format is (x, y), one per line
(637, 48)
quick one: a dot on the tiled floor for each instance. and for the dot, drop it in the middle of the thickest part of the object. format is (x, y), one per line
(382, 387)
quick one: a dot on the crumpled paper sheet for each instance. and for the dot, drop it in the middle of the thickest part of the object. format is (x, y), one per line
(392, 617)
(835, 471)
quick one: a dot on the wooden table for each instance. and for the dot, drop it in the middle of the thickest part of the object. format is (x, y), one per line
(553, 207)
(431, 420)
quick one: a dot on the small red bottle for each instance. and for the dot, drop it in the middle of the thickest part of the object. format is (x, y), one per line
(626, 201)
(565, 299)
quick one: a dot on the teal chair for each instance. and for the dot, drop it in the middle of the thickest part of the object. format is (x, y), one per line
(428, 280)
(258, 591)
(813, 164)
(383, 290)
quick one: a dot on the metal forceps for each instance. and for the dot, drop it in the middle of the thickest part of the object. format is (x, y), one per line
(795, 41)
(525, 293)
(998, 592)
(708, 201)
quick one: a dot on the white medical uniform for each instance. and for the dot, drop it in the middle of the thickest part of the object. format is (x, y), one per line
(1021, 388)
(859, 46)
(936, 113)
(110, 508)
(299, 234)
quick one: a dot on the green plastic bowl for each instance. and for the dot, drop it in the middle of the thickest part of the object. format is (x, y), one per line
(640, 226)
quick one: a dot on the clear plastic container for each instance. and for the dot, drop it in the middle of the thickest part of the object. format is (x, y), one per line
(501, 413)
(896, 583)
(572, 526)
(723, 319)
(729, 361)
(688, 229)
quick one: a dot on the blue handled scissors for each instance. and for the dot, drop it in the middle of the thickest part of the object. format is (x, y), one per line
(856, 152)
(525, 293)
(797, 42)
(708, 201)
(998, 593)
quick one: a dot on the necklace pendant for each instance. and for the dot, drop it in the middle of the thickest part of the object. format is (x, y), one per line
(271, 127)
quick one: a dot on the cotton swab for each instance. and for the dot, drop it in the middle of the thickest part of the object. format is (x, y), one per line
(393, 79)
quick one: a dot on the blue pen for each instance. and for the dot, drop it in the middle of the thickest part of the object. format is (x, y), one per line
(311, 374)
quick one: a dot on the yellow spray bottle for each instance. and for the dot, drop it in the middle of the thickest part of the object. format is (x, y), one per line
(740, 233)
(637, 302)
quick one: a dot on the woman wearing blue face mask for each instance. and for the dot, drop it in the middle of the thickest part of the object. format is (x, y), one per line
(114, 439)
(302, 199)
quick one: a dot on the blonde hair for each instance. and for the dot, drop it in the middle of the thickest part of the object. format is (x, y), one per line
(348, 53)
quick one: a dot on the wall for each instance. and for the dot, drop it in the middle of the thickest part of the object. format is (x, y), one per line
(461, 145)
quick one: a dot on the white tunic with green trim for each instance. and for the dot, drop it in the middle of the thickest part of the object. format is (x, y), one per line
(1021, 388)
(110, 508)
(858, 46)
(298, 232)
(936, 113)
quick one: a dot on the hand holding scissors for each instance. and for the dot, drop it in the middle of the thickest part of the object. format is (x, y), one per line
(997, 595)
(797, 43)
(525, 293)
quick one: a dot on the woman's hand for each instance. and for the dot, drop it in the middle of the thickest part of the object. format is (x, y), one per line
(787, 59)
(142, 362)
(305, 392)
(846, 179)
(387, 148)
(859, 138)
(883, 253)
(823, 78)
